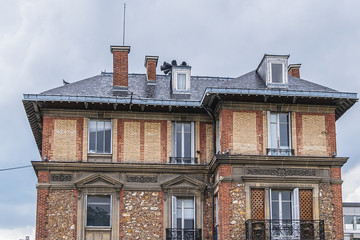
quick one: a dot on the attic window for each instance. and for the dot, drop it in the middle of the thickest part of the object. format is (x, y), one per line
(181, 79)
(277, 73)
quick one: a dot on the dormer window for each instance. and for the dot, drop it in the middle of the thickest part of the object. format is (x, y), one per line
(181, 79)
(273, 70)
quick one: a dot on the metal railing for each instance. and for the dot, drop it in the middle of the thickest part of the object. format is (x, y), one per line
(280, 152)
(183, 160)
(284, 229)
(183, 234)
(215, 233)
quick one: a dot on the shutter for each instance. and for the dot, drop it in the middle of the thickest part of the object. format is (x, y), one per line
(269, 129)
(270, 202)
(173, 139)
(295, 204)
(194, 213)
(173, 216)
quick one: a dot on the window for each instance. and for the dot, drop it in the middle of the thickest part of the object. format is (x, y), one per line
(183, 217)
(98, 209)
(352, 222)
(279, 134)
(284, 206)
(181, 81)
(183, 144)
(277, 73)
(100, 136)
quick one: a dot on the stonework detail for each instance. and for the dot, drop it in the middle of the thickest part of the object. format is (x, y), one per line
(244, 136)
(208, 213)
(152, 151)
(61, 177)
(141, 215)
(326, 210)
(141, 179)
(314, 135)
(132, 141)
(281, 171)
(237, 206)
(61, 215)
(65, 140)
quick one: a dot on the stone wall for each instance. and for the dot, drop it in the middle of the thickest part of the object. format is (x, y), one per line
(237, 206)
(326, 210)
(208, 214)
(141, 215)
(61, 214)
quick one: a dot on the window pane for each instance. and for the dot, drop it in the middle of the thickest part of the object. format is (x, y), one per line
(189, 223)
(275, 210)
(275, 195)
(187, 145)
(286, 210)
(92, 136)
(285, 196)
(178, 140)
(100, 137)
(273, 135)
(284, 118)
(107, 137)
(181, 81)
(277, 75)
(349, 222)
(98, 211)
(284, 135)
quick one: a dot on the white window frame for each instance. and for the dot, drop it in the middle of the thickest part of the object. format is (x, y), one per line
(174, 138)
(86, 209)
(284, 71)
(111, 135)
(174, 211)
(175, 72)
(295, 207)
(278, 131)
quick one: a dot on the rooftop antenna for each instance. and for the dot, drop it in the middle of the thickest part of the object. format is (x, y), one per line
(124, 25)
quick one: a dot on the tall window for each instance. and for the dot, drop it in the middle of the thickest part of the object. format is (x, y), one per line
(100, 136)
(279, 134)
(284, 212)
(98, 211)
(183, 217)
(183, 149)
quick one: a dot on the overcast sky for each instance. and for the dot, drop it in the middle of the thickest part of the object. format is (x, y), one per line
(45, 41)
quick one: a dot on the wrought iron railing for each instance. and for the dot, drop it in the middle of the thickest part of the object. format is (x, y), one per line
(183, 160)
(284, 229)
(183, 234)
(280, 152)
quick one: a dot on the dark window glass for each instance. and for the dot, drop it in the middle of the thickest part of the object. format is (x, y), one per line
(277, 74)
(98, 211)
(99, 136)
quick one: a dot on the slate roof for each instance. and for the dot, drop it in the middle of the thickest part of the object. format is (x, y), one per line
(101, 86)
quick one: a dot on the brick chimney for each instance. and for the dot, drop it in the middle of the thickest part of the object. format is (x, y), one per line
(294, 70)
(150, 65)
(120, 65)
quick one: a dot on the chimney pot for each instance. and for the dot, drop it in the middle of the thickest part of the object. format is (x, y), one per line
(120, 65)
(150, 65)
(294, 70)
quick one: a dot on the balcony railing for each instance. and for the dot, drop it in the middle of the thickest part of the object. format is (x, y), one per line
(183, 234)
(285, 229)
(280, 152)
(183, 160)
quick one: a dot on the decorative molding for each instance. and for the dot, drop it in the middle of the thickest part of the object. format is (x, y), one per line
(61, 177)
(281, 172)
(141, 179)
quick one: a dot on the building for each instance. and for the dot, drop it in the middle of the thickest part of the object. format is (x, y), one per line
(351, 221)
(176, 156)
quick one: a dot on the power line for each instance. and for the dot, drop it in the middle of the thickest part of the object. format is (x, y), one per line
(14, 168)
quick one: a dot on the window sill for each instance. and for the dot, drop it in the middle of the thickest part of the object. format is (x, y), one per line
(99, 157)
(98, 228)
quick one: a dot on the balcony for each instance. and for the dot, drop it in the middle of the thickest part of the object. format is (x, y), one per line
(183, 160)
(280, 152)
(284, 229)
(183, 234)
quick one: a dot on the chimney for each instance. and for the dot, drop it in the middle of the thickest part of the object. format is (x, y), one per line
(120, 65)
(150, 65)
(294, 70)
